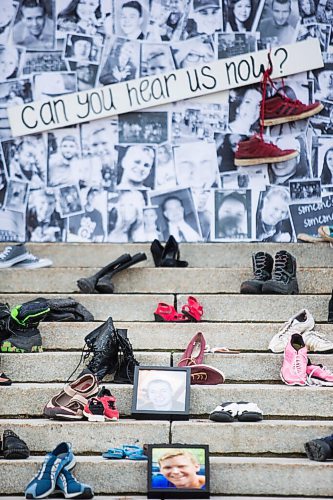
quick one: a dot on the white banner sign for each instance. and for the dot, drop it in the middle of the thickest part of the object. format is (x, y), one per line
(169, 87)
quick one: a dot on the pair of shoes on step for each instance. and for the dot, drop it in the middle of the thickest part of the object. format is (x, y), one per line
(192, 311)
(303, 323)
(13, 447)
(201, 374)
(55, 476)
(297, 368)
(168, 256)
(281, 280)
(241, 411)
(18, 257)
(274, 110)
(102, 407)
(127, 451)
(101, 282)
(321, 449)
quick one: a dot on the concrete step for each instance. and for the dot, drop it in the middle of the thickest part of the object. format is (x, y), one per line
(215, 497)
(57, 366)
(274, 399)
(241, 438)
(172, 336)
(229, 475)
(198, 255)
(148, 280)
(233, 308)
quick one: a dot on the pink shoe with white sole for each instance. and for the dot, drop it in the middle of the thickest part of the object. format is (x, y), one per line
(319, 375)
(293, 371)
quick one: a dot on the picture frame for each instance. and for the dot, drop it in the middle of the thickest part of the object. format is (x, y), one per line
(161, 393)
(194, 484)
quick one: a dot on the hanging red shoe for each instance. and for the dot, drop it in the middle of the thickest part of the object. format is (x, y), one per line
(280, 109)
(255, 151)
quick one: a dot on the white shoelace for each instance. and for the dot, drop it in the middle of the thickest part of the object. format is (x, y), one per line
(5, 253)
(297, 364)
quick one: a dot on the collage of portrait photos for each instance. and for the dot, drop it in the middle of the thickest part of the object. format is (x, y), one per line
(166, 170)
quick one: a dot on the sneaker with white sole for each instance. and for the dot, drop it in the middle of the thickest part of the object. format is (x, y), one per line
(317, 343)
(249, 412)
(299, 323)
(12, 255)
(33, 262)
(294, 367)
(319, 375)
(225, 412)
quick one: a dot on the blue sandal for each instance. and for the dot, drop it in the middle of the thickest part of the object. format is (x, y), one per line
(129, 451)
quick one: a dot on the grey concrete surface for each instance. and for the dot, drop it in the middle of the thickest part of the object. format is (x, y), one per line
(154, 280)
(229, 475)
(172, 336)
(198, 255)
(273, 399)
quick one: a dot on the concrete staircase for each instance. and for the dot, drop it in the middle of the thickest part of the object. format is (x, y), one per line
(247, 459)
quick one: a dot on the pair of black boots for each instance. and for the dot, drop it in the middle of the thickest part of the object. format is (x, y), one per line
(168, 256)
(101, 281)
(281, 280)
(112, 353)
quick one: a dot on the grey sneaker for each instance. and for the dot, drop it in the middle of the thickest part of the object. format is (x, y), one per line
(12, 255)
(33, 262)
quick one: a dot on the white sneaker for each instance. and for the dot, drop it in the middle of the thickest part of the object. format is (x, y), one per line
(317, 343)
(300, 323)
(33, 262)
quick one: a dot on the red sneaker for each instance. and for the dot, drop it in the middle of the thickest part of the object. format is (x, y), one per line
(255, 151)
(280, 109)
(109, 402)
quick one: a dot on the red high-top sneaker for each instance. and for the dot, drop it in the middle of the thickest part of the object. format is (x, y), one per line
(255, 151)
(280, 109)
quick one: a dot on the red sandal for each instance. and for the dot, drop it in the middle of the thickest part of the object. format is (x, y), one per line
(165, 312)
(193, 309)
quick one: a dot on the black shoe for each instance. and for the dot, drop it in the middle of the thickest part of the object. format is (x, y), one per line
(330, 309)
(171, 254)
(29, 314)
(5, 322)
(320, 449)
(103, 343)
(87, 285)
(13, 447)
(262, 263)
(157, 249)
(67, 310)
(284, 279)
(104, 284)
(23, 340)
(126, 363)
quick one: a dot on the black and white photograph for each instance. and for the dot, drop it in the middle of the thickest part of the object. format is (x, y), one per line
(177, 214)
(46, 87)
(8, 14)
(86, 74)
(167, 20)
(323, 121)
(296, 168)
(25, 159)
(69, 200)
(10, 61)
(204, 204)
(272, 216)
(307, 11)
(125, 216)
(255, 177)
(12, 226)
(149, 229)
(16, 196)
(34, 26)
(198, 122)
(64, 152)
(305, 191)
(91, 224)
(165, 174)
(226, 145)
(308, 217)
(80, 16)
(239, 15)
(321, 32)
(193, 52)
(323, 82)
(44, 223)
(136, 166)
(131, 18)
(156, 59)
(3, 181)
(43, 61)
(149, 127)
(196, 165)
(277, 23)
(244, 110)
(12, 93)
(205, 18)
(323, 158)
(84, 48)
(122, 63)
(161, 392)
(235, 44)
(324, 12)
(233, 215)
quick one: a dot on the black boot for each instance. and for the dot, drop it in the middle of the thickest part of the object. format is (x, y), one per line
(104, 344)
(23, 340)
(320, 449)
(284, 279)
(330, 309)
(87, 285)
(105, 285)
(262, 263)
(126, 363)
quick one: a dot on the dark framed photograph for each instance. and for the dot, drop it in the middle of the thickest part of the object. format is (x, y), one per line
(178, 471)
(161, 392)
(70, 200)
(305, 191)
(233, 215)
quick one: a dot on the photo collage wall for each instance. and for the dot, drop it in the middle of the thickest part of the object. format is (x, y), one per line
(170, 169)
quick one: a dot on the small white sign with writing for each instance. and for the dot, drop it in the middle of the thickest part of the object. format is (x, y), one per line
(169, 87)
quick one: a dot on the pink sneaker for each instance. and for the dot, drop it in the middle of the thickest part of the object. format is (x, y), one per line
(293, 371)
(319, 375)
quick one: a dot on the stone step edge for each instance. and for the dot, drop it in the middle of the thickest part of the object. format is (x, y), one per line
(215, 497)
